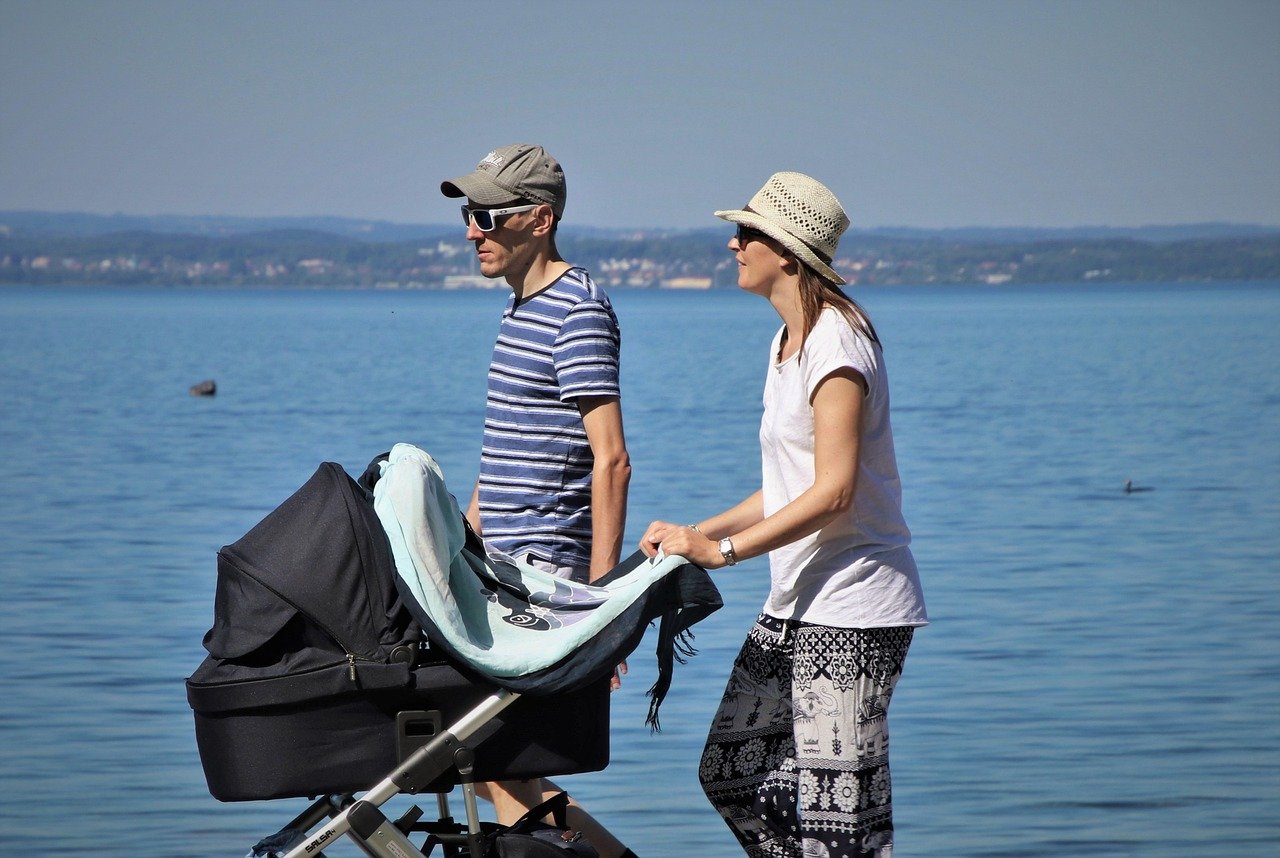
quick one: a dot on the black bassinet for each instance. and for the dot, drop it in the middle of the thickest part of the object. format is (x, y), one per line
(317, 680)
(321, 680)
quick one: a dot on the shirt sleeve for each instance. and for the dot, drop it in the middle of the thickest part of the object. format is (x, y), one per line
(586, 352)
(834, 345)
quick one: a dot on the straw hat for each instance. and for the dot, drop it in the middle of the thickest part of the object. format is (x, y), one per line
(801, 214)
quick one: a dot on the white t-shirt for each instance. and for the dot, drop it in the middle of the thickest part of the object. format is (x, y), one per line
(857, 571)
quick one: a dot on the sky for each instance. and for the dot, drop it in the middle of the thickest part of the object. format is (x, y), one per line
(933, 115)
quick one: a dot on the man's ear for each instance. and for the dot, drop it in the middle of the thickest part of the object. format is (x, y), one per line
(543, 219)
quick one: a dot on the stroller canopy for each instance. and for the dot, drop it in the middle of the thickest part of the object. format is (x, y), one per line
(307, 594)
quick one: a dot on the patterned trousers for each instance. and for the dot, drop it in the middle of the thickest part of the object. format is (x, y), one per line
(797, 760)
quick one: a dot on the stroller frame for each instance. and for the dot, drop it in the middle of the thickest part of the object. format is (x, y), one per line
(374, 832)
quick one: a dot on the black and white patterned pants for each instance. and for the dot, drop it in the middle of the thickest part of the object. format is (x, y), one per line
(797, 760)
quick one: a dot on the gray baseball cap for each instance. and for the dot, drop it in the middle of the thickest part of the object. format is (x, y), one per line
(520, 171)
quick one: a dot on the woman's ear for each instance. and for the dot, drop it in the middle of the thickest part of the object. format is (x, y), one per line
(789, 264)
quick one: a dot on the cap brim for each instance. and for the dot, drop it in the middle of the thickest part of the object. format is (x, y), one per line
(786, 239)
(478, 188)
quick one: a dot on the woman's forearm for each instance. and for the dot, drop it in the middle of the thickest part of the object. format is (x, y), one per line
(807, 514)
(735, 519)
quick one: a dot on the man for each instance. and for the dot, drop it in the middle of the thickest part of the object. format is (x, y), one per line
(554, 469)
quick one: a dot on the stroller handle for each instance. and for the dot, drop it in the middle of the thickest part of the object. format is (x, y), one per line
(424, 766)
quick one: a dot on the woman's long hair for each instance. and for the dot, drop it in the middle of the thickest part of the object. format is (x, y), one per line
(816, 292)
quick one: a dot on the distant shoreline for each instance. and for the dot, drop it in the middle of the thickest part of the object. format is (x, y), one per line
(721, 290)
(43, 249)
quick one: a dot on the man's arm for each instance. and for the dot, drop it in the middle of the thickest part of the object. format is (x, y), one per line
(602, 418)
(473, 509)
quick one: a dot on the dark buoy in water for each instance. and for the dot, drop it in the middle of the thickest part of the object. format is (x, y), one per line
(1130, 488)
(208, 387)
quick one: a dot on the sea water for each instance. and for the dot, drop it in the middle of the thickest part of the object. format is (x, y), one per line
(1101, 676)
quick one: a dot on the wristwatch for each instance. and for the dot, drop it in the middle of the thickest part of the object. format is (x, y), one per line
(726, 548)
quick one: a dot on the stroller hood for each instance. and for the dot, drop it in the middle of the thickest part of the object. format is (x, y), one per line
(297, 615)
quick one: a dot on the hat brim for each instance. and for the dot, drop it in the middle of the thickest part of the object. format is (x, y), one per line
(479, 188)
(802, 251)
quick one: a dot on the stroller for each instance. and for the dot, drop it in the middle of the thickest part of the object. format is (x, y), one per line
(342, 662)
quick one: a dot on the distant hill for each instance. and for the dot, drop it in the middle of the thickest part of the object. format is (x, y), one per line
(79, 224)
(1154, 233)
(53, 248)
(40, 224)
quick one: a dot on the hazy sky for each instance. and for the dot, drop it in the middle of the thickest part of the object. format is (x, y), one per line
(927, 114)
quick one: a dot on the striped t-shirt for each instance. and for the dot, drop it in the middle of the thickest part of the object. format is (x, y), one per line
(535, 467)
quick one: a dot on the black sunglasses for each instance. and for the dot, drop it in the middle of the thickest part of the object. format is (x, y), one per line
(746, 233)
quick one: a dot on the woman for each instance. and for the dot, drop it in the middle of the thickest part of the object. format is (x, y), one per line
(797, 757)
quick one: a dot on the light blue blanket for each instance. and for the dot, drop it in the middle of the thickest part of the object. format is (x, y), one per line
(504, 618)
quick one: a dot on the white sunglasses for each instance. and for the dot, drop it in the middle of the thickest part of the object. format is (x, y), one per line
(487, 219)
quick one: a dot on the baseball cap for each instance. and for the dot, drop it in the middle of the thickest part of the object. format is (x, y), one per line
(521, 171)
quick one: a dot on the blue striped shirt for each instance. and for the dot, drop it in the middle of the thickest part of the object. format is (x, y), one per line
(535, 467)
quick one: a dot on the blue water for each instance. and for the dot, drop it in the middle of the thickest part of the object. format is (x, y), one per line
(1102, 676)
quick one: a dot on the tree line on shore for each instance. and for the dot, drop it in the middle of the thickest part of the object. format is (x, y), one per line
(296, 256)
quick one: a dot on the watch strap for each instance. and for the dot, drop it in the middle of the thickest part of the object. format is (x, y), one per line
(726, 550)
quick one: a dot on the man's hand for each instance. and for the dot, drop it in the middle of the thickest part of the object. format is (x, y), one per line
(616, 682)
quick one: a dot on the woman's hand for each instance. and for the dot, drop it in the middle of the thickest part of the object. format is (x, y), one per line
(653, 536)
(683, 540)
